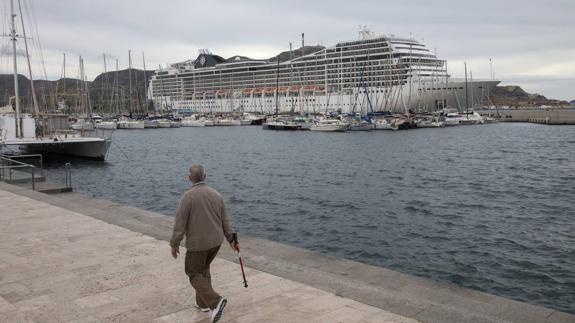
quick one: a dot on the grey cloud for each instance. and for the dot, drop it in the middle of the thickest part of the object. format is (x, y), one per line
(173, 30)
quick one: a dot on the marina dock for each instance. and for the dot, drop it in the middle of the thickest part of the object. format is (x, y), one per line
(70, 258)
(556, 116)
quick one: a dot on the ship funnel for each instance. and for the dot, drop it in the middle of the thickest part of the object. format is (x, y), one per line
(302, 40)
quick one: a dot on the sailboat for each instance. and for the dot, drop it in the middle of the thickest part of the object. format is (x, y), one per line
(83, 119)
(277, 123)
(330, 125)
(129, 122)
(42, 132)
(356, 122)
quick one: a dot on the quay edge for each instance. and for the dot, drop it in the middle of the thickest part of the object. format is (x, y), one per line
(389, 290)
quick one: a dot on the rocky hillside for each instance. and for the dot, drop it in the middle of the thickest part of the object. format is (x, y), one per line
(515, 96)
(109, 92)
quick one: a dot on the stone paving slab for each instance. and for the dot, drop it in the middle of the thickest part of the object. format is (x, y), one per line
(392, 291)
(59, 265)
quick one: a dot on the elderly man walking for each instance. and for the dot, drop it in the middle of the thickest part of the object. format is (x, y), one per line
(202, 218)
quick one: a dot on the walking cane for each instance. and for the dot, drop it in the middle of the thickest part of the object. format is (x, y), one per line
(235, 239)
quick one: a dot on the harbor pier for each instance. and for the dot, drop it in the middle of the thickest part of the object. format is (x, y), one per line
(555, 116)
(71, 258)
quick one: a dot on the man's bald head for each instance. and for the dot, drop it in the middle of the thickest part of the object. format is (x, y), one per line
(197, 174)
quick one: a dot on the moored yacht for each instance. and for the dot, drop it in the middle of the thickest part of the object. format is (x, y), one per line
(53, 137)
(126, 123)
(150, 124)
(280, 124)
(193, 122)
(82, 124)
(108, 125)
(330, 125)
(42, 132)
(384, 124)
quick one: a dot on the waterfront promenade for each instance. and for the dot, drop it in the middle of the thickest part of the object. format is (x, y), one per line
(69, 258)
(58, 265)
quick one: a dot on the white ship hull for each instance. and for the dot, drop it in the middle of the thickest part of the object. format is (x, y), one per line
(421, 97)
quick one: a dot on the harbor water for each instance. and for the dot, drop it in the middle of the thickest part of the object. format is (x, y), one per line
(487, 207)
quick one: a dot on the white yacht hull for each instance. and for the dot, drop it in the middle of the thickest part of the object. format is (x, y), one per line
(329, 127)
(150, 124)
(108, 125)
(93, 148)
(193, 123)
(131, 125)
(361, 127)
(82, 126)
(163, 124)
(384, 125)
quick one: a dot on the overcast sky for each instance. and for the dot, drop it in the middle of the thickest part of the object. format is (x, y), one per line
(532, 43)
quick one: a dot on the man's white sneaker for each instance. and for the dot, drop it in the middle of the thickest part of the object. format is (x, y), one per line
(206, 309)
(217, 312)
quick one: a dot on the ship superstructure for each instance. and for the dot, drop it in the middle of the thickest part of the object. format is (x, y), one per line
(374, 73)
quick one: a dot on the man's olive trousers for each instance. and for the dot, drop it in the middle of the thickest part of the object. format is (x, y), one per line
(198, 270)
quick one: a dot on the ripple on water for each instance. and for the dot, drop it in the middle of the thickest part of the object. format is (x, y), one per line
(486, 207)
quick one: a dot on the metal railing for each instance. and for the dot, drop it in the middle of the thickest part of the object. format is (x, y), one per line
(38, 156)
(10, 169)
(68, 176)
(15, 171)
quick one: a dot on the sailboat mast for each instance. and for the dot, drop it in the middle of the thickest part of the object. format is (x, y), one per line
(116, 91)
(471, 89)
(277, 84)
(64, 79)
(87, 90)
(446, 85)
(34, 98)
(105, 84)
(466, 91)
(130, 77)
(78, 91)
(13, 36)
(145, 102)
(491, 69)
(80, 88)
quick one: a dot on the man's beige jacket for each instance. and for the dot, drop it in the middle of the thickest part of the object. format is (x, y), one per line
(202, 218)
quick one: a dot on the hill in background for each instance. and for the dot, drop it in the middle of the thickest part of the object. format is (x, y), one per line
(109, 92)
(515, 96)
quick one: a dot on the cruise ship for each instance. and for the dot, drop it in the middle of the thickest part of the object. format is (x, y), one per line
(376, 73)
